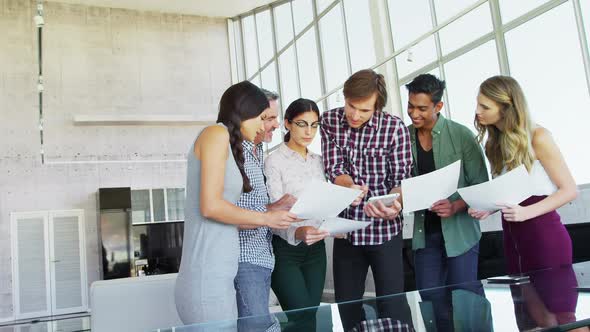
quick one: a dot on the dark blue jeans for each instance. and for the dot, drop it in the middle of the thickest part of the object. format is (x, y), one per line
(435, 269)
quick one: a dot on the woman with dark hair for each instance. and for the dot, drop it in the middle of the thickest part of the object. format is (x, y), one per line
(300, 254)
(204, 288)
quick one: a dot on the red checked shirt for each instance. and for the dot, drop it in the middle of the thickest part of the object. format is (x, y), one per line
(378, 155)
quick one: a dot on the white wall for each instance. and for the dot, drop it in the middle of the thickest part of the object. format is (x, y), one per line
(98, 61)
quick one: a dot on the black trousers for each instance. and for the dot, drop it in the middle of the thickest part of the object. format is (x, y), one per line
(351, 265)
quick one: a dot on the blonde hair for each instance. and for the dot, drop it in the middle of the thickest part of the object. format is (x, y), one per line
(510, 147)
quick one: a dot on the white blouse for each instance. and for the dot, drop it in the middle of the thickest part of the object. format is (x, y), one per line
(542, 181)
(287, 172)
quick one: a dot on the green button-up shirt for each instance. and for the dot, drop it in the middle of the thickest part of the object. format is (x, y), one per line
(452, 141)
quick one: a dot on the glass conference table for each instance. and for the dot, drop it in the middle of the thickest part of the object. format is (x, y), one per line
(551, 300)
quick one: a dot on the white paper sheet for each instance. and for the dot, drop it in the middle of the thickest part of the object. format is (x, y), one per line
(422, 191)
(322, 200)
(512, 188)
(342, 226)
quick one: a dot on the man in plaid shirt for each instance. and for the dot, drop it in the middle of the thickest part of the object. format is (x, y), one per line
(368, 149)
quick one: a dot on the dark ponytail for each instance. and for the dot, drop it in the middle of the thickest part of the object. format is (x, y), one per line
(298, 107)
(240, 102)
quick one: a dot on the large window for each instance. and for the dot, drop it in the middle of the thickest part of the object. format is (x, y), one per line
(586, 17)
(319, 43)
(466, 29)
(463, 85)
(288, 70)
(404, 14)
(333, 48)
(360, 34)
(511, 9)
(553, 81)
(309, 68)
(250, 45)
(283, 24)
(264, 33)
(416, 57)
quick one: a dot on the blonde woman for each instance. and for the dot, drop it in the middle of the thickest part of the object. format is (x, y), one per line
(534, 237)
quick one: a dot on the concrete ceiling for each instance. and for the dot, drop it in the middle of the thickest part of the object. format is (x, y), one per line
(211, 8)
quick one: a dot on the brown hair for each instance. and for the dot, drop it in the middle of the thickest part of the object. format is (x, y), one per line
(363, 84)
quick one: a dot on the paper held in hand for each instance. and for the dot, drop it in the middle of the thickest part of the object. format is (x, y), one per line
(324, 201)
(510, 188)
(420, 192)
(341, 226)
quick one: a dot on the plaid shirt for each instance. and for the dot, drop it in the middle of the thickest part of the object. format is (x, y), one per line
(378, 155)
(255, 244)
(382, 325)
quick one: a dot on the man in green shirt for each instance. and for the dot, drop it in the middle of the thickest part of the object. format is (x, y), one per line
(446, 238)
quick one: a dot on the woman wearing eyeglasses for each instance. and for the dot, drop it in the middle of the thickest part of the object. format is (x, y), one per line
(300, 255)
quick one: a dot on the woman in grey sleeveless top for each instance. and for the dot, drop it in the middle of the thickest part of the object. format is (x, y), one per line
(204, 288)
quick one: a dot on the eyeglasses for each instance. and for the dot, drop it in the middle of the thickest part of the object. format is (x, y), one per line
(304, 124)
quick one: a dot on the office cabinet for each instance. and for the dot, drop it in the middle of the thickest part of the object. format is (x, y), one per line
(48, 263)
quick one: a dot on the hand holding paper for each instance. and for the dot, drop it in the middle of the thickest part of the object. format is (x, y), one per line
(510, 188)
(322, 200)
(340, 225)
(422, 191)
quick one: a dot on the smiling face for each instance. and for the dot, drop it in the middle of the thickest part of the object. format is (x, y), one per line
(271, 122)
(488, 111)
(254, 127)
(303, 128)
(422, 110)
(359, 111)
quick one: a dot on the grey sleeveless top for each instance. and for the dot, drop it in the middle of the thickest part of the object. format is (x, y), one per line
(204, 288)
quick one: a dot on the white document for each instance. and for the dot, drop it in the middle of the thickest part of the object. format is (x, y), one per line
(341, 225)
(510, 188)
(322, 200)
(422, 191)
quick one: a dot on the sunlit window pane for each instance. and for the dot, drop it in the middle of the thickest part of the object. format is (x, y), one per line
(510, 9)
(585, 5)
(302, 13)
(323, 4)
(361, 39)
(404, 14)
(332, 38)
(416, 57)
(466, 29)
(463, 85)
(309, 69)
(239, 49)
(283, 25)
(263, 26)
(269, 79)
(288, 70)
(336, 100)
(552, 77)
(250, 45)
(446, 9)
(256, 80)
